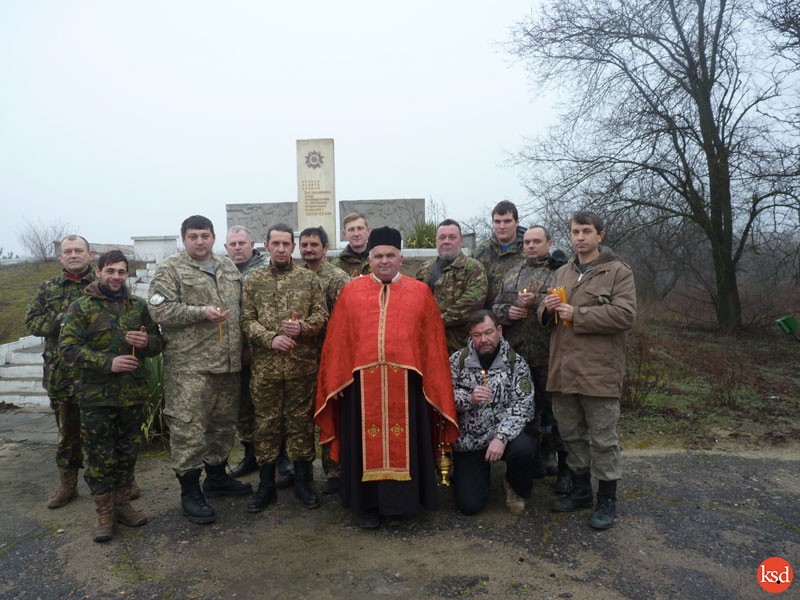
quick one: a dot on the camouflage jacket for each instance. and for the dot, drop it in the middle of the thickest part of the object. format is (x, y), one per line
(352, 263)
(460, 290)
(332, 279)
(497, 261)
(179, 294)
(94, 334)
(527, 336)
(512, 404)
(271, 296)
(44, 318)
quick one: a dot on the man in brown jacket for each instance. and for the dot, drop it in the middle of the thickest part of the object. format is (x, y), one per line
(587, 362)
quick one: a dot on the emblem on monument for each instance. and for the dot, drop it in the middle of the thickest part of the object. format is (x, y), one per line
(314, 160)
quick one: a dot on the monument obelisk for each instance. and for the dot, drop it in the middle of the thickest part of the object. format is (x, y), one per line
(316, 186)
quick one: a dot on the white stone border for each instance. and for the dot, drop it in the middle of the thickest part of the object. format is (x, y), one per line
(30, 341)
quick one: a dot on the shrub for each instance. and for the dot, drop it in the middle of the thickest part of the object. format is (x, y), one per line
(424, 236)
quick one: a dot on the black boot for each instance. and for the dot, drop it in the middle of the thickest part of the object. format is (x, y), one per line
(219, 483)
(538, 470)
(563, 483)
(580, 497)
(266, 493)
(285, 466)
(606, 508)
(248, 464)
(194, 504)
(285, 469)
(303, 486)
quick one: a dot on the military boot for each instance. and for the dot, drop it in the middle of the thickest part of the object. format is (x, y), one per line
(285, 469)
(303, 485)
(219, 483)
(581, 495)
(67, 488)
(606, 508)
(104, 505)
(266, 493)
(249, 464)
(193, 503)
(563, 484)
(123, 509)
(136, 492)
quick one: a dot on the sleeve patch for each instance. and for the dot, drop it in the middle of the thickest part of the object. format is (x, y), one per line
(525, 385)
(157, 299)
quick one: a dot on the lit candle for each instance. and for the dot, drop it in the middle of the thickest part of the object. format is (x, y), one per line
(485, 379)
(220, 324)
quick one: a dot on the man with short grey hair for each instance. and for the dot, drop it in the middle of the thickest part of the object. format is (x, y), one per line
(241, 249)
(44, 318)
(457, 281)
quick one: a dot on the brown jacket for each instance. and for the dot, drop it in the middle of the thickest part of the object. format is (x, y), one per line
(588, 356)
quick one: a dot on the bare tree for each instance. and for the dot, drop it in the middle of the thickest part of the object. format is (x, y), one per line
(784, 16)
(39, 238)
(680, 114)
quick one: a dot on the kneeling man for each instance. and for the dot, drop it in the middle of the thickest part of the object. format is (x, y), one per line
(494, 401)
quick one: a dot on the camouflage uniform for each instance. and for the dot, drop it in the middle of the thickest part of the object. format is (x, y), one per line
(332, 279)
(245, 424)
(111, 403)
(527, 336)
(504, 418)
(353, 263)
(283, 383)
(202, 359)
(497, 261)
(44, 318)
(460, 290)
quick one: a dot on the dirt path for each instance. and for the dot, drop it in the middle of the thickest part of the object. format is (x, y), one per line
(690, 525)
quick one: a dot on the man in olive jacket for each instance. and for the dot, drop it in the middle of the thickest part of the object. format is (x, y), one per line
(587, 363)
(105, 337)
(457, 281)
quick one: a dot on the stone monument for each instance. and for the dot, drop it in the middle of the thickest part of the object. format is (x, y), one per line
(316, 185)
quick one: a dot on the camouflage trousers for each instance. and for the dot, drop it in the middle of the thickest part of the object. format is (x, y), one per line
(68, 419)
(111, 438)
(246, 422)
(200, 409)
(588, 427)
(284, 409)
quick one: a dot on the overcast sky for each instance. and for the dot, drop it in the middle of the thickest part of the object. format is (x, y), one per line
(123, 118)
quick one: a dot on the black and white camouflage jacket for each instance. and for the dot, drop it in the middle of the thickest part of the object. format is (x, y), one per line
(511, 407)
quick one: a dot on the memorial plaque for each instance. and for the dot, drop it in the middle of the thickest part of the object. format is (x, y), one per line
(259, 217)
(316, 194)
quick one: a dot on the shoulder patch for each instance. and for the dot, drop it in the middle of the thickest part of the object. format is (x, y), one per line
(157, 299)
(159, 272)
(525, 385)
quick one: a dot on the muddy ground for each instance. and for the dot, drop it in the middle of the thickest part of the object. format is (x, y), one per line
(690, 525)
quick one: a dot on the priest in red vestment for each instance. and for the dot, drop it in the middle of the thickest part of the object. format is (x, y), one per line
(384, 395)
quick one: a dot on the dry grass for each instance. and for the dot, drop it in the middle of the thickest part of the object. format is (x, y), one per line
(18, 285)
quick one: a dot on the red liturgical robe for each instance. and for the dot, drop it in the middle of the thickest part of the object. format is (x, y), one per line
(378, 333)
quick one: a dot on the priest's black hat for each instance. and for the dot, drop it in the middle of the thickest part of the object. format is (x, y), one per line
(384, 236)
